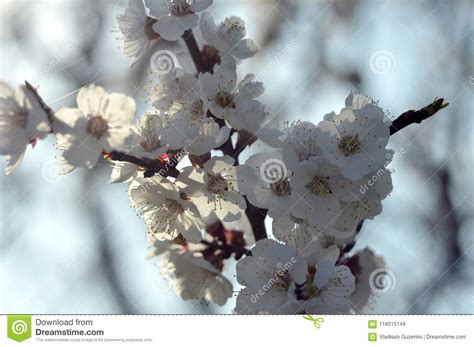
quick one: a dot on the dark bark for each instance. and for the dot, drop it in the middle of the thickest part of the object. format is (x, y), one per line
(152, 167)
(255, 215)
(412, 116)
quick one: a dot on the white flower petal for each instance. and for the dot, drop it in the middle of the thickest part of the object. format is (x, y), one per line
(91, 99)
(120, 110)
(201, 5)
(14, 160)
(171, 28)
(207, 26)
(218, 165)
(246, 48)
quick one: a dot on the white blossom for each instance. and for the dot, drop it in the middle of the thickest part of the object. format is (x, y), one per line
(185, 116)
(227, 37)
(317, 190)
(297, 140)
(328, 285)
(331, 287)
(165, 210)
(23, 121)
(217, 188)
(317, 184)
(272, 191)
(175, 91)
(295, 231)
(101, 122)
(192, 277)
(367, 204)
(355, 140)
(280, 279)
(177, 16)
(196, 136)
(364, 263)
(228, 100)
(122, 172)
(136, 27)
(357, 100)
(269, 275)
(145, 141)
(251, 115)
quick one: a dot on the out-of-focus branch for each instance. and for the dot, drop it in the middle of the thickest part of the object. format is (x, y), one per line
(412, 116)
(445, 225)
(107, 262)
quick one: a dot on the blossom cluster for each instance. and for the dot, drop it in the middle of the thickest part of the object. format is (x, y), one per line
(186, 181)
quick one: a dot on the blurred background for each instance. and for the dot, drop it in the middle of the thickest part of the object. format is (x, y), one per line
(72, 244)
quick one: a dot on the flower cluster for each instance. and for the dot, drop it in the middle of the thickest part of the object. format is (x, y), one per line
(180, 161)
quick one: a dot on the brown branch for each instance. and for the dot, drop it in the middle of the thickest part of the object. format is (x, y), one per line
(224, 249)
(46, 108)
(226, 243)
(255, 215)
(153, 166)
(194, 50)
(228, 149)
(412, 116)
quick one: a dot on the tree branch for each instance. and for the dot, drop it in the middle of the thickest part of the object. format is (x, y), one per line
(256, 216)
(412, 116)
(194, 50)
(46, 108)
(153, 166)
(225, 249)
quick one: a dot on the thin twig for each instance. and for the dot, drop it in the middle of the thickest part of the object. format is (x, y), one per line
(412, 116)
(46, 108)
(193, 48)
(256, 217)
(153, 166)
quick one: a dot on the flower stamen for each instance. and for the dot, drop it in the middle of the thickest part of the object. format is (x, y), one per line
(319, 186)
(281, 187)
(349, 144)
(218, 184)
(180, 8)
(225, 99)
(97, 126)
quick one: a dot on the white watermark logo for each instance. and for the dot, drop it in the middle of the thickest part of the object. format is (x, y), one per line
(382, 62)
(280, 275)
(273, 170)
(382, 280)
(51, 171)
(391, 157)
(158, 283)
(163, 62)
